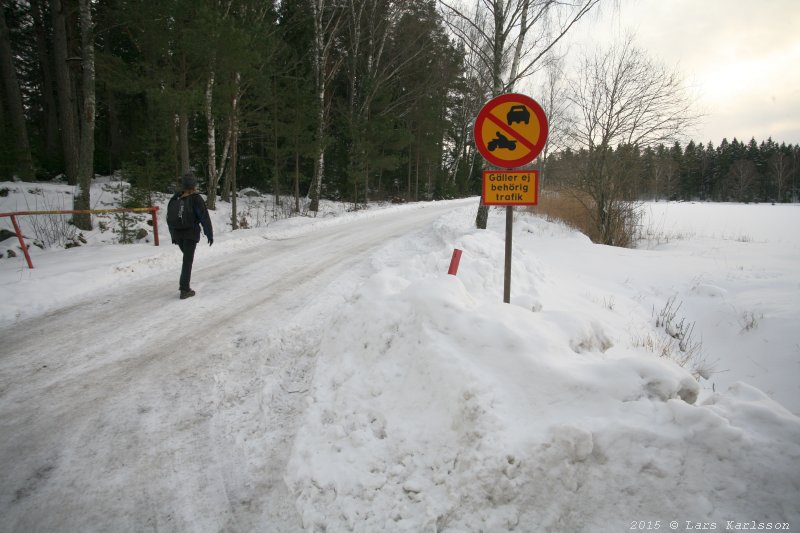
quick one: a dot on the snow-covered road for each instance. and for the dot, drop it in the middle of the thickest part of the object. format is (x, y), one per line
(131, 410)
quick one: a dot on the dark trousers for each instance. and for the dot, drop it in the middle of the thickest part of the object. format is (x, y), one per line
(188, 247)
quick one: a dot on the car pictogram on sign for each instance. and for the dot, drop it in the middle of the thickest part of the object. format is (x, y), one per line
(518, 113)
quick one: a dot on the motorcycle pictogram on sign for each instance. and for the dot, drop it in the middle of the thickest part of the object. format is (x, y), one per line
(511, 130)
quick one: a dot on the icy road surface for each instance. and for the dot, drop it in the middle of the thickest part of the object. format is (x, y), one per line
(132, 410)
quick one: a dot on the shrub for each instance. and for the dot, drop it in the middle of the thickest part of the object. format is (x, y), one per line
(679, 344)
(54, 229)
(749, 321)
(136, 197)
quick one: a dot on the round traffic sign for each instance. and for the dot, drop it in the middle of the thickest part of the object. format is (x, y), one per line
(510, 130)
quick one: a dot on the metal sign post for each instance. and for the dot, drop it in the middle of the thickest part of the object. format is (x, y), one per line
(510, 131)
(507, 272)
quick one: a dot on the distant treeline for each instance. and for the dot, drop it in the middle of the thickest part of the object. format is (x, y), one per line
(731, 172)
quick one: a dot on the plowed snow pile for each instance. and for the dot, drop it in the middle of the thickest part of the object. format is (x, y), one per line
(436, 408)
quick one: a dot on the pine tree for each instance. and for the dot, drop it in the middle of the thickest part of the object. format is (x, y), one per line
(755, 155)
(21, 160)
(705, 170)
(690, 173)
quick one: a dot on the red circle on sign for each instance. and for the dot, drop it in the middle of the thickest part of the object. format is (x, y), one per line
(494, 150)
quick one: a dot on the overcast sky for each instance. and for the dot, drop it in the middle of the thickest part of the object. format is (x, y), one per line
(740, 57)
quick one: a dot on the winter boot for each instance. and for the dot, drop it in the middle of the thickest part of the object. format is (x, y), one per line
(187, 294)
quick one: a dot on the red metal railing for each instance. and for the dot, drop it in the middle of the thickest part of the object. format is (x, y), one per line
(14, 215)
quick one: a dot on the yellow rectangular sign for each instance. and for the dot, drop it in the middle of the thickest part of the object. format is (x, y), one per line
(510, 187)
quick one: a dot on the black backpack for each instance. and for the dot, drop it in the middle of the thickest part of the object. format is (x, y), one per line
(180, 213)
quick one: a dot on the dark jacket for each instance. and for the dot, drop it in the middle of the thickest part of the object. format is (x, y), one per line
(201, 218)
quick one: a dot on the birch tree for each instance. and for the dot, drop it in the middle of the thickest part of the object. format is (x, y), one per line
(779, 171)
(87, 121)
(232, 139)
(512, 39)
(327, 22)
(234, 136)
(214, 170)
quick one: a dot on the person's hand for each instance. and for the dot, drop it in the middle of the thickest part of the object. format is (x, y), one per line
(210, 241)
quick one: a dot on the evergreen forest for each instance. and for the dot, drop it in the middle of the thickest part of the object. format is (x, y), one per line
(731, 172)
(358, 101)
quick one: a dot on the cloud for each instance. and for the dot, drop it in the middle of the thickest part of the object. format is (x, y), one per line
(739, 57)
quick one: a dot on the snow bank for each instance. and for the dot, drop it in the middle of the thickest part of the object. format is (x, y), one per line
(436, 408)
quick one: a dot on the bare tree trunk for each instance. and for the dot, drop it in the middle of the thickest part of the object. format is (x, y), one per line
(276, 182)
(224, 164)
(523, 30)
(325, 30)
(3, 111)
(215, 172)
(66, 99)
(183, 139)
(499, 44)
(232, 172)
(227, 184)
(779, 166)
(24, 163)
(183, 122)
(86, 156)
(116, 140)
(416, 177)
(408, 182)
(297, 181)
(173, 148)
(366, 183)
(211, 139)
(319, 162)
(356, 79)
(319, 72)
(52, 139)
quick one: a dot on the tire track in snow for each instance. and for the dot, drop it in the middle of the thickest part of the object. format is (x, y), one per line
(150, 412)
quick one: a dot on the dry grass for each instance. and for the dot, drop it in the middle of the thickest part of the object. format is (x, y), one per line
(577, 210)
(567, 208)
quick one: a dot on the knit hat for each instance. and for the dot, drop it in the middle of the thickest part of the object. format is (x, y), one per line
(188, 181)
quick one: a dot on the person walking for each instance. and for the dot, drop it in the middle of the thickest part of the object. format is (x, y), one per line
(186, 214)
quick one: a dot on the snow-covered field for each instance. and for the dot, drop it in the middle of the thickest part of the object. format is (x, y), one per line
(417, 400)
